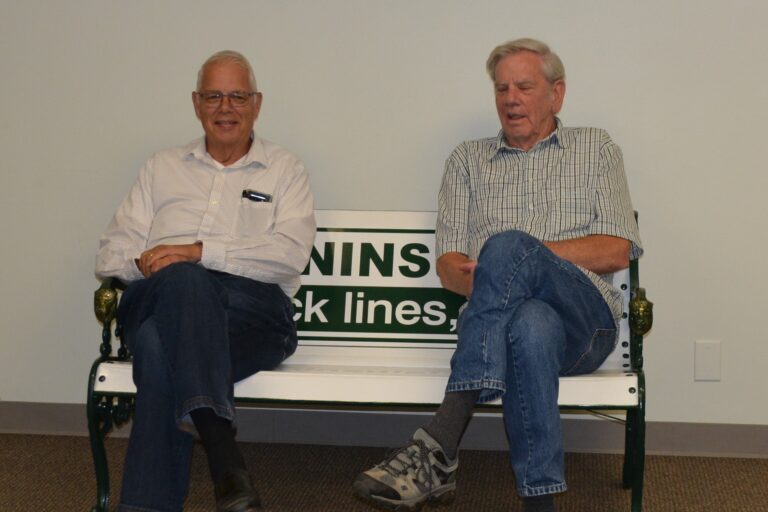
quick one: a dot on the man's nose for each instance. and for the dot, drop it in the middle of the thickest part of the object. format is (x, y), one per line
(226, 103)
(512, 95)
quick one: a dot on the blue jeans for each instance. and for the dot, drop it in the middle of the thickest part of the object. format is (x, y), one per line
(192, 333)
(531, 318)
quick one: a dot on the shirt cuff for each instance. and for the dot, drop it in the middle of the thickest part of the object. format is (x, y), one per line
(214, 255)
(134, 274)
(446, 246)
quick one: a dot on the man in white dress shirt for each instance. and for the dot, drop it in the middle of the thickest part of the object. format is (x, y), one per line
(211, 241)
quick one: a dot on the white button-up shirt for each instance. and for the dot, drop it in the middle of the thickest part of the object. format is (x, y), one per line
(183, 196)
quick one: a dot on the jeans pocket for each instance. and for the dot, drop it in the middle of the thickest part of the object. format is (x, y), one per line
(600, 347)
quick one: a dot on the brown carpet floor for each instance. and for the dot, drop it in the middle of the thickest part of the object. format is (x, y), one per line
(46, 473)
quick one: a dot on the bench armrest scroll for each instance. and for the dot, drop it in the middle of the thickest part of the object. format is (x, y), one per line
(105, 300)
(640, 313)
(640, 322)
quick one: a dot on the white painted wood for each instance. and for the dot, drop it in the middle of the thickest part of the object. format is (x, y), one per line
(360, 381)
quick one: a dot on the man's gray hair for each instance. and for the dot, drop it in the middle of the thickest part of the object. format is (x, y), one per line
(228, 57)
(552, 66)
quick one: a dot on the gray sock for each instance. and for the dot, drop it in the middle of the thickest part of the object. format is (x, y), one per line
(451, 419)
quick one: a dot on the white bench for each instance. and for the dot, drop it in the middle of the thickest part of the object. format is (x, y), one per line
(376, 328)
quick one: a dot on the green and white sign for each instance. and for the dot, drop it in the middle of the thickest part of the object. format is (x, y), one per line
(371, 279)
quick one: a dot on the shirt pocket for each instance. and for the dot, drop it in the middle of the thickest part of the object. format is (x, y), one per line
(253, 218)
(570, 210)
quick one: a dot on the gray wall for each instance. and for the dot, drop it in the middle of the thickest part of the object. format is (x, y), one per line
(373, 95)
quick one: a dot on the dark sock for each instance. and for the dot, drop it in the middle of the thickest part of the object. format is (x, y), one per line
(543, 503)
(451, 419)
(218, 439)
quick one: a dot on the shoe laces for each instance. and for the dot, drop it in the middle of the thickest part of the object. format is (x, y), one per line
(413, 458)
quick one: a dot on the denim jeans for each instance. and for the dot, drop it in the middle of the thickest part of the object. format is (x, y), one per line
(192, 333)
(531, 318)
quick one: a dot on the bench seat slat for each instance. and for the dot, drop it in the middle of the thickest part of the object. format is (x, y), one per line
(321, 382)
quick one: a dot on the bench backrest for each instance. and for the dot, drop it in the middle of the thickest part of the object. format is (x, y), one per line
(371, 283)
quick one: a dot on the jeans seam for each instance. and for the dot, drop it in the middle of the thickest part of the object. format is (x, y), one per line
(504, 307)
(578, 275)
(513, 275)
(523, 409)
(598, 332)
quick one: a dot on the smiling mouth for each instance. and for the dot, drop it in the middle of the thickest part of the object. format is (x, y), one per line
(226, 123)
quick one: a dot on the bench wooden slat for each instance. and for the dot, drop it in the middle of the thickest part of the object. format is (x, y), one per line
(305, 381)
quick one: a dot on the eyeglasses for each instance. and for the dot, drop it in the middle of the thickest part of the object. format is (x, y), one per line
(215, 98)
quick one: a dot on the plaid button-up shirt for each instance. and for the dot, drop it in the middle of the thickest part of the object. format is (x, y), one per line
(569, 185)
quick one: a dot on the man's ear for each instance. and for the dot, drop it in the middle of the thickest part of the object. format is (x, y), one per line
(196, 104)
(257, 105)
(558, 94)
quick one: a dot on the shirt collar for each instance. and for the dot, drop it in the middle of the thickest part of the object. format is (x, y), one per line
(256, 156)
(554, 138)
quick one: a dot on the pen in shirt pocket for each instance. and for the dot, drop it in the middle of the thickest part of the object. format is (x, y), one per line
(256, 196)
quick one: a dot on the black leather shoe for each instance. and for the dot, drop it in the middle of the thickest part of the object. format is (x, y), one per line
(235, 493)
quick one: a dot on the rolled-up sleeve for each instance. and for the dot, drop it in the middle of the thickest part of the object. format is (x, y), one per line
(453, 205)
(614, 214)
(126, 235)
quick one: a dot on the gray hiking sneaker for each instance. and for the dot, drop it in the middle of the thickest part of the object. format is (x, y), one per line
(417, 473)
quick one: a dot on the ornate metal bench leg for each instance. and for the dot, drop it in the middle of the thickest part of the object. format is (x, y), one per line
(639, 462)
(630, 442)
(634, 450)
(99, 423)
(630, 431)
